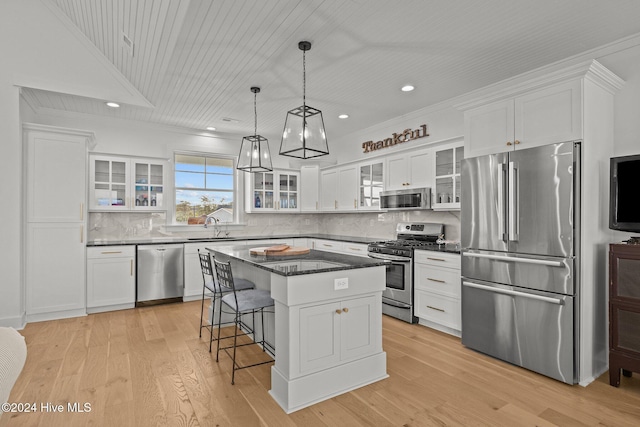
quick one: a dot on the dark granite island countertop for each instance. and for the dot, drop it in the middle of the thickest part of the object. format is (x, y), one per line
(311, 263)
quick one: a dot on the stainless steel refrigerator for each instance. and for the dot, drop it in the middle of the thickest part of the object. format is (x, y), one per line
(519, 238)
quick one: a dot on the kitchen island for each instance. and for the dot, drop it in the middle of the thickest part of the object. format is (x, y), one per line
(328, 321)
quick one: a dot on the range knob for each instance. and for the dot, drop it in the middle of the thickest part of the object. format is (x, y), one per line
(407, 227)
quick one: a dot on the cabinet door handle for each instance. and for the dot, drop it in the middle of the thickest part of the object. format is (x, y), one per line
(436, 308)
(346, 310)
(436, 259)
(81, 233)
(338, 311)
(81, 211)
(355, 203)
(316, 205)
(335, 204)
(509, 143)
(355, 249)
(436, 280)
(516, 142)
(110, 252)
(131, 268)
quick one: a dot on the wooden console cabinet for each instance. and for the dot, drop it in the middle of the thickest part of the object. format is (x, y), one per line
(624, 311)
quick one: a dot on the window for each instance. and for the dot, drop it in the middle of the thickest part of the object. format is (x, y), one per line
(204, 188)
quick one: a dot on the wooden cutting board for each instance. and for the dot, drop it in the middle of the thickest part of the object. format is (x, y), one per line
(279, 250)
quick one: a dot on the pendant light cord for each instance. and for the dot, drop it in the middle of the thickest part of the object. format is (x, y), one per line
(304, 82)
(255, 114)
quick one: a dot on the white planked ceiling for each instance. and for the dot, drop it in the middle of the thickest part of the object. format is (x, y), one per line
(195, 61)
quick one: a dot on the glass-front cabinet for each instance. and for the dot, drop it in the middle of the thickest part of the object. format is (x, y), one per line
(121, 183)
(288, 191)
(149, 184)
(263, 191)
(371, 183)
(447, 178)
(275, 191)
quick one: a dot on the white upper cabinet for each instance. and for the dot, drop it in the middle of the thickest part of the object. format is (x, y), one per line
(309, 188)
(540, 117)
(339, 188)
(122, 183)
(410, 169)
(275, 191)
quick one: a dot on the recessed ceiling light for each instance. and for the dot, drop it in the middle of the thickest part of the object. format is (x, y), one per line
(210, 128)
(407, 88)
(113, 104)
(343, 116)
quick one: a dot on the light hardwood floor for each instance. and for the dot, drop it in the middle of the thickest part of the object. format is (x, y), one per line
(147, 367)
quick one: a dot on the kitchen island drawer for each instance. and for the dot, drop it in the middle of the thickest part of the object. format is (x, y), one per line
(437, 308)
(443, 281)
(438, 259)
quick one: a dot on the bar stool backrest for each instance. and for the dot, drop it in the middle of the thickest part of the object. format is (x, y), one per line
(205, 264)
(225, 277)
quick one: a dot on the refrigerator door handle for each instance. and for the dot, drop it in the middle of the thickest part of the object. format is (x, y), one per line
(513, 202)
(514, 293)
(515, 259)
(501, 215)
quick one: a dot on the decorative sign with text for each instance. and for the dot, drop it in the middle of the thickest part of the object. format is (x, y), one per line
(396, 138)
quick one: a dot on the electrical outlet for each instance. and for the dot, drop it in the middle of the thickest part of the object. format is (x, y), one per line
(339, 284)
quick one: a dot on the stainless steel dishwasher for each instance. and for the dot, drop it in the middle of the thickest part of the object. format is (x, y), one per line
(160, 274)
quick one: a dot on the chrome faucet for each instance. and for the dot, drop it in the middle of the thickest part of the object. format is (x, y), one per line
(215, 221)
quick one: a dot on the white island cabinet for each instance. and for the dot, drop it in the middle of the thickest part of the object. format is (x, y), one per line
(328, 321)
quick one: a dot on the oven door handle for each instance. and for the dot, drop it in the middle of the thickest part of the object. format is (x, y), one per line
(390, 257)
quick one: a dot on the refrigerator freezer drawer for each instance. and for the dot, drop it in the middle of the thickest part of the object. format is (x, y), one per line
(534, 330)
(550, 274)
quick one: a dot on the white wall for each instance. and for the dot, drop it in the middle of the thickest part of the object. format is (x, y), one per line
(626, 64)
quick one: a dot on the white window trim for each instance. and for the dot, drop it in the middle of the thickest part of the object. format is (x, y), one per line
(237, 197)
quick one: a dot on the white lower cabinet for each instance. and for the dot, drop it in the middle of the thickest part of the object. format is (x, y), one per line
(437, 290)
(111, 278)
(337, 332)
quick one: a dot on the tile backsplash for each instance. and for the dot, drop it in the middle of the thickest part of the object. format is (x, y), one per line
(137, 225)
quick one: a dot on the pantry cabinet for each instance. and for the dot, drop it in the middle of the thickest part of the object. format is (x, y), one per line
(437, 290)
(122, 183)
(275, 191)
(111, 278)
(539, 117)
(408, 170)
(56, 183)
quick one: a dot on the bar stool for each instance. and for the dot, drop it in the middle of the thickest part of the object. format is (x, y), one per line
(210, 283)
(245, 302)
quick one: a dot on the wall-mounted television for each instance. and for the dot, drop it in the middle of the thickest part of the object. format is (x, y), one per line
(624, 194)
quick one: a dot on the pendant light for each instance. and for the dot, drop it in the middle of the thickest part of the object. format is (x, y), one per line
(254, 152)
(304, 136)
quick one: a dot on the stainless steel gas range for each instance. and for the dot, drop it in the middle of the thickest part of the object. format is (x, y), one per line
(397, 299)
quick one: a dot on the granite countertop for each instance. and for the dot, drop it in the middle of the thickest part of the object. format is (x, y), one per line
(313, 262)
(169, 240)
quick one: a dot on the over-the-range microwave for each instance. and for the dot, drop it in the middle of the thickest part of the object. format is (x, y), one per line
(409, 198)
